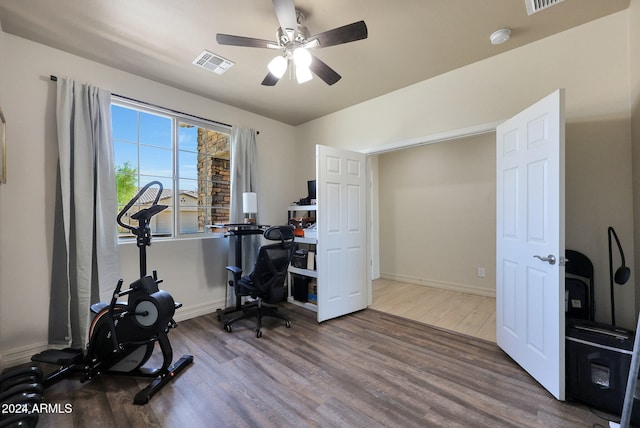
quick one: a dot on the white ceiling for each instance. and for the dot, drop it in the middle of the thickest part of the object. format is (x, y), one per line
(409, 41)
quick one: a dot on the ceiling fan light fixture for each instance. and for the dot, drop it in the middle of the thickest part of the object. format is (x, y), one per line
(302, 57)
(303, 74)
(278, 66)
(292, 39)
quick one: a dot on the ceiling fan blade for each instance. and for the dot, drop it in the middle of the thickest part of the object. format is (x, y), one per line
(270, 80)
(286, 13)
(228, 39)
(323, 71)
(345, 34)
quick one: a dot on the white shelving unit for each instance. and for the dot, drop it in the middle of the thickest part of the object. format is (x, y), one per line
(309, 242)
(303, 272)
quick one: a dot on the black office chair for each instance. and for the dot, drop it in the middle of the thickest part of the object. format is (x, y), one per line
(266, 284)
(580, 303)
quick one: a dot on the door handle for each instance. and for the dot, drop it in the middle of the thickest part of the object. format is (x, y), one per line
(551, 259)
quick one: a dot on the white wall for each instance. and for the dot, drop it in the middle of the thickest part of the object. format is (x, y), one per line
(438, 215)
(193, 269)
(591, 67)
(591, 62)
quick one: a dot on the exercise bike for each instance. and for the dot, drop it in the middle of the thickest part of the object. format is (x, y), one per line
(122, 336)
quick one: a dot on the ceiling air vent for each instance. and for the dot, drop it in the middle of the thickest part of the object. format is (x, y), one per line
(212, 62)
(534, 6)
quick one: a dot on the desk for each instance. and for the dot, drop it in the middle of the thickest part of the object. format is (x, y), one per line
(238, 230)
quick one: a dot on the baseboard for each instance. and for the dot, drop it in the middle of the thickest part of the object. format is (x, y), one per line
(464, 288)
(192, 311)
(22, 355)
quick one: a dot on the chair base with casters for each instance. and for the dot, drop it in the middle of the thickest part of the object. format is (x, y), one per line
(266, 283)
(254, 309)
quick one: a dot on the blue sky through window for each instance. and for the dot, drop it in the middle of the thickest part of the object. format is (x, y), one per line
(144, 140)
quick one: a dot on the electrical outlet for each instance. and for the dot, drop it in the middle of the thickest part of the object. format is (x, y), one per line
(481, 272)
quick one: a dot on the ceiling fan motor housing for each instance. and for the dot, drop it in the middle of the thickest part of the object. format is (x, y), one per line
(286, 38)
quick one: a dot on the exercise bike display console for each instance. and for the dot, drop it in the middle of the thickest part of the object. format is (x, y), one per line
(122, 335)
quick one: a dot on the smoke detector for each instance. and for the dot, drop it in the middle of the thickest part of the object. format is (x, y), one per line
(500, 36)
(534, 6)
(212, 62)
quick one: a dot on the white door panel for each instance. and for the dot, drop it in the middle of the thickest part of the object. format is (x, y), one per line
(530, 223)
(341, 258)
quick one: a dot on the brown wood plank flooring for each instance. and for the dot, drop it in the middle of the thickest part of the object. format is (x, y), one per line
(367, 369)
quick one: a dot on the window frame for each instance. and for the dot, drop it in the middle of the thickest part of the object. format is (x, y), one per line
(176, 118)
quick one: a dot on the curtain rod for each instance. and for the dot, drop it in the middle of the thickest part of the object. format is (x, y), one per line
(55, 79)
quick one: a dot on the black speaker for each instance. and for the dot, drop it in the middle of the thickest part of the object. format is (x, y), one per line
(311, 188)
(299, 259)
(300, 288)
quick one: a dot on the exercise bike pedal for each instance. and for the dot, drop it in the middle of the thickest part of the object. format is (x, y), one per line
(147, 372)
(69, 359)
(60, 357)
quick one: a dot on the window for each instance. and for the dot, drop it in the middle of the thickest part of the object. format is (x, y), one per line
(190, 157)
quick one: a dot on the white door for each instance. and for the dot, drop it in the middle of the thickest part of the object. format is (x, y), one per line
(530, 240)
(342, 239)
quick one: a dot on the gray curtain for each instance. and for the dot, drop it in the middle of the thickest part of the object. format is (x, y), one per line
(85, 258)
(244, 178)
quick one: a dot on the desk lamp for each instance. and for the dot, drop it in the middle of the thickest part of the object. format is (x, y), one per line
(250, 206)
(622, 274)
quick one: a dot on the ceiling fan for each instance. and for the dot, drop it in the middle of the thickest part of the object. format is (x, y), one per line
(294, 42)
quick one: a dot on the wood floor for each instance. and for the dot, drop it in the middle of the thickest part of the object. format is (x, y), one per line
(461, 312)
(368, 369)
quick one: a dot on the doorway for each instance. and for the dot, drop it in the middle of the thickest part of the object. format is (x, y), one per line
(436, 208)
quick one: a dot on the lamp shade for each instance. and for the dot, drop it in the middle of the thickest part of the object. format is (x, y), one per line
(249, 203)
(278, 66)
(302, 58)
(303, 74)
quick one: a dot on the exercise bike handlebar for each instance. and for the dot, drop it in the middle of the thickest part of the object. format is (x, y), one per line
(135, 199)
(110, 320)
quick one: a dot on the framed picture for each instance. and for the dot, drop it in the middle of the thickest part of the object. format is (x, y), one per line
(3, 148)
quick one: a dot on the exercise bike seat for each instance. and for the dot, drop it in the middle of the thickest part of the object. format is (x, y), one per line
(97, 307)
(61, 357)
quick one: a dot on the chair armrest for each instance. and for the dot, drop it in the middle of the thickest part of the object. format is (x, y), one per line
(97, 307)
(235, 269)
(237, 274)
